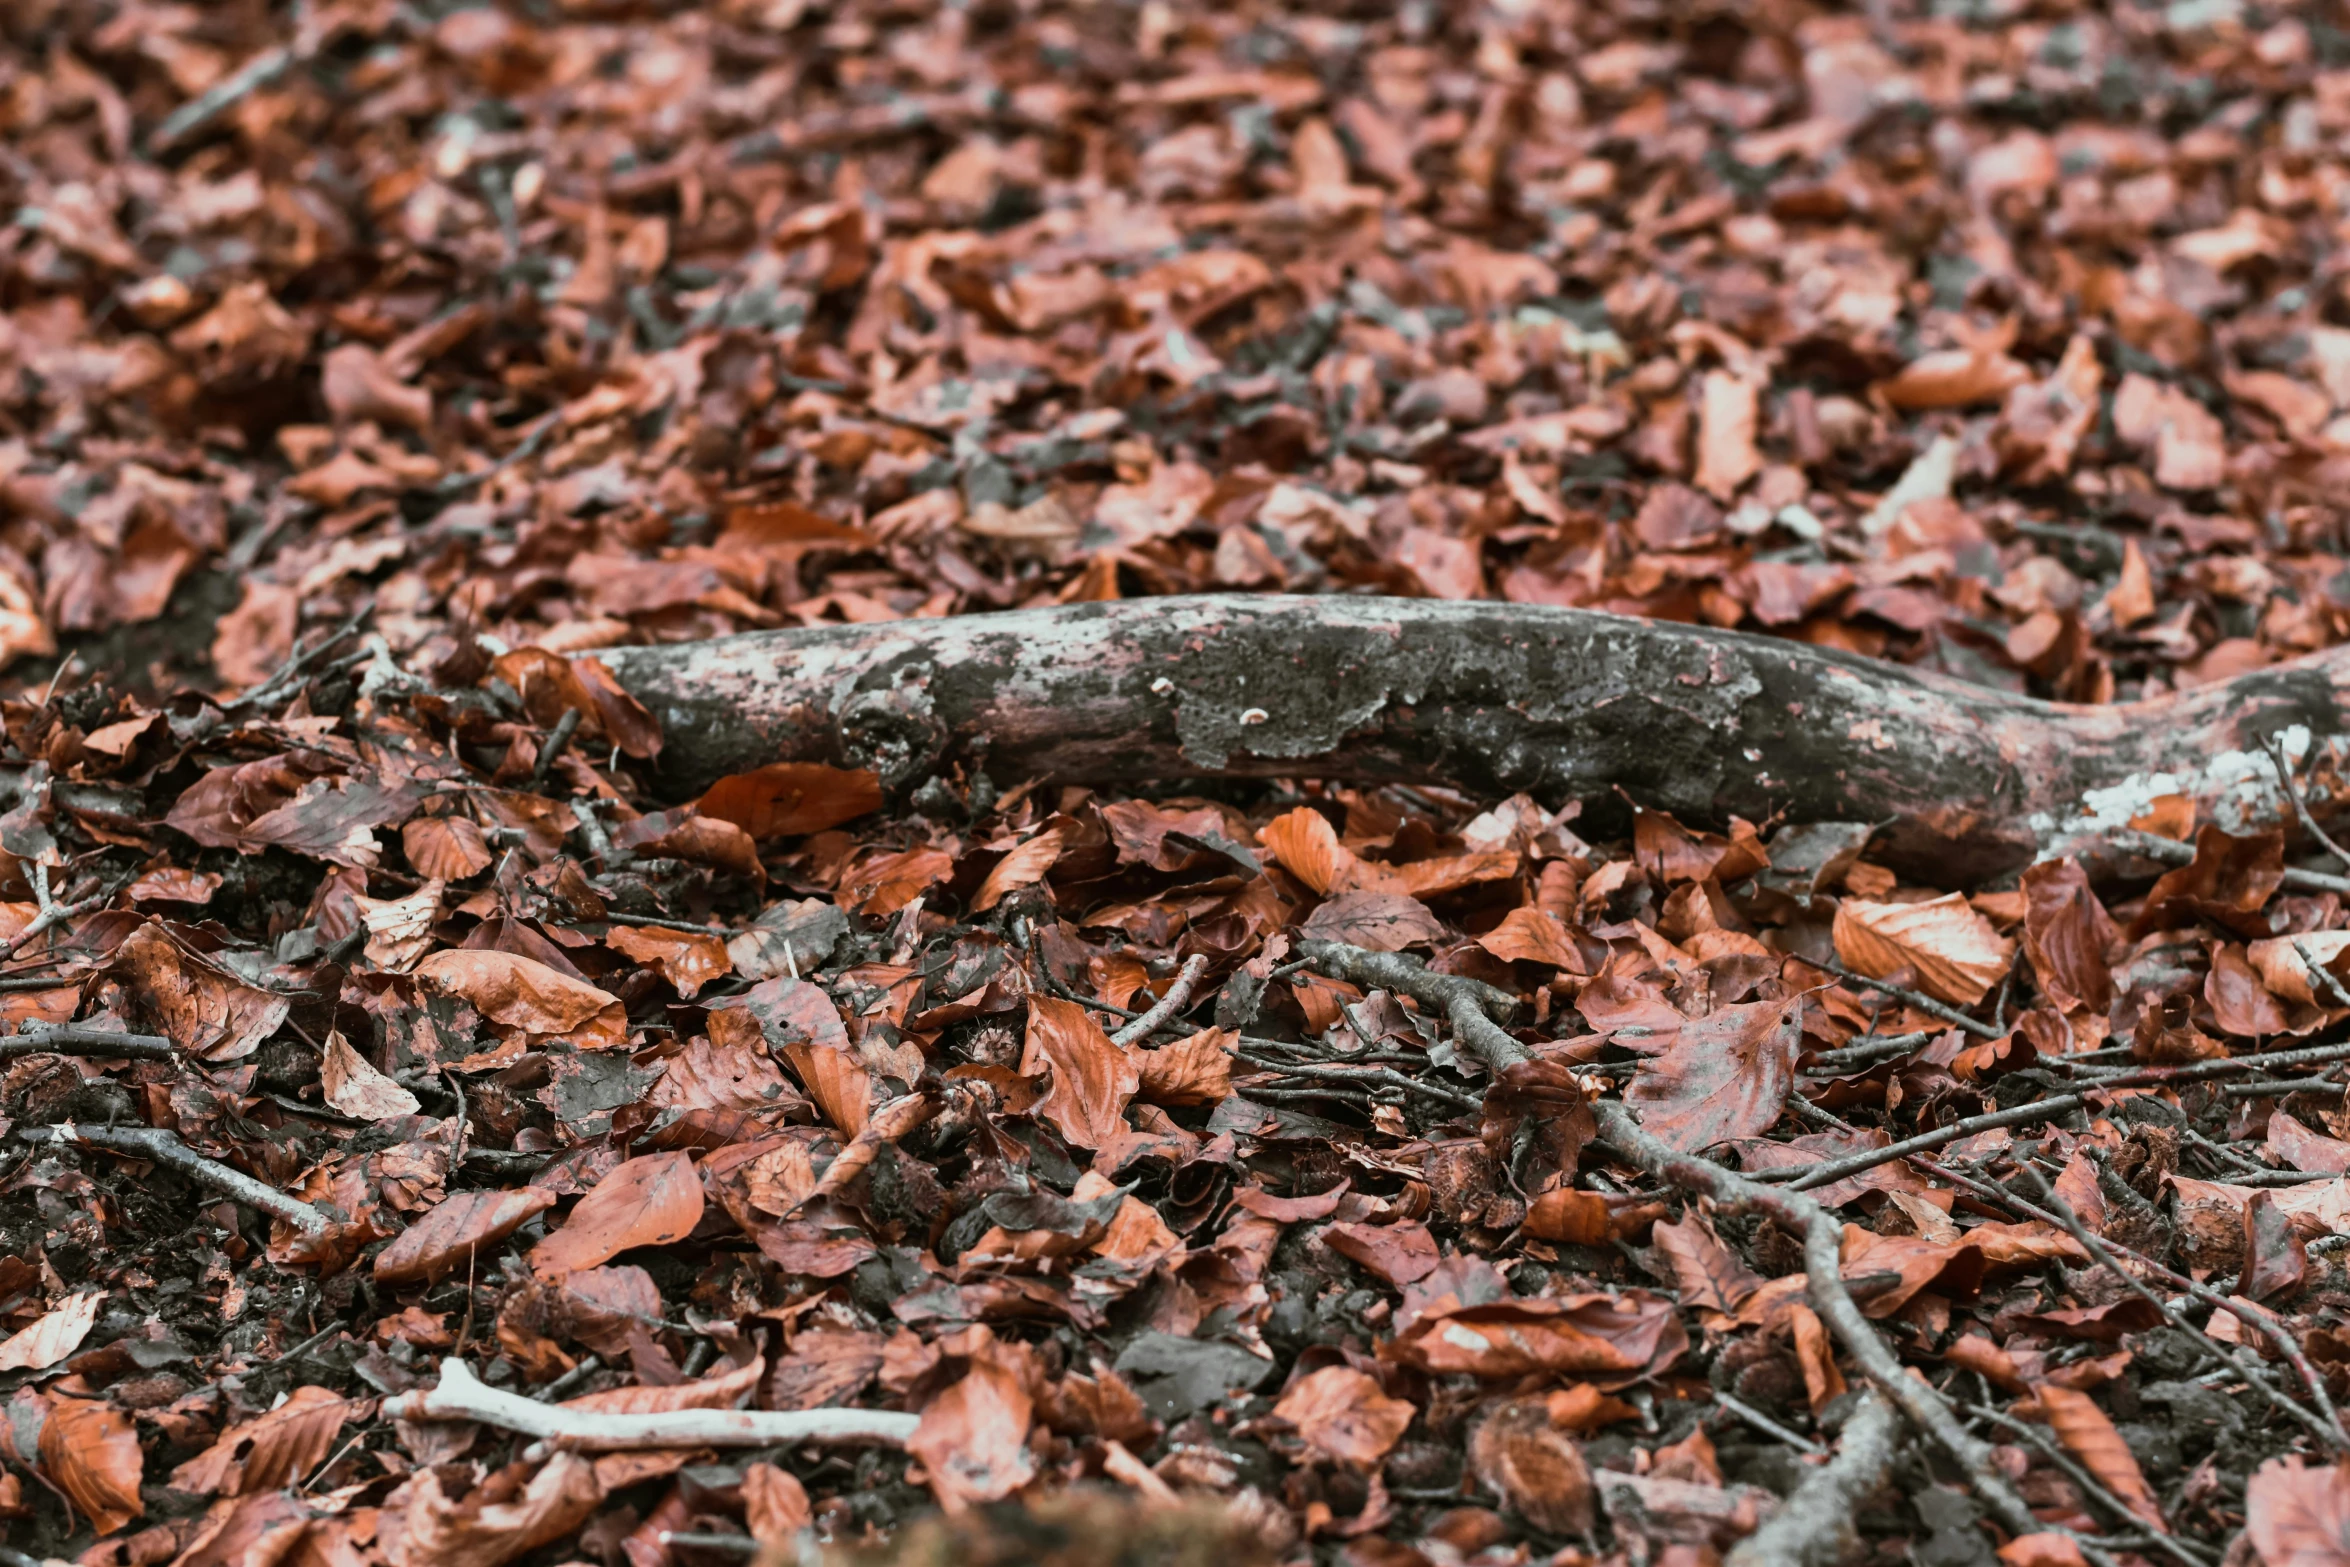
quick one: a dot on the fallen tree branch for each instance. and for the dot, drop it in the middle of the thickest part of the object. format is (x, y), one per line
(1816, 1526)
(1465, 1001)
(103, 1044)
(165, 1148)
(1493, 698)
(461, 1395)
(1178, 997)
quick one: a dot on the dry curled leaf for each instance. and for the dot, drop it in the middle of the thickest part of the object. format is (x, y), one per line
(53, 1335)
(91, 1452)
(352, 1084)
(1942, 946)
(2089, 1434)
(270, 1451)
(644, 1202)
(973, 1439)
(1342, 1414)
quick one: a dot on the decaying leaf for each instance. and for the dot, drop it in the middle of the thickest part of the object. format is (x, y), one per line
(354, 1086)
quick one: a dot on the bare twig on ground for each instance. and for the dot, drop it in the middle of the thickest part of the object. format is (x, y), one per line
(1803, 1178)
(1822, 1233)
(1178, 996)
(261, 71)
(1767, 1426)
(165, 1148)
(1815, 1528)
(95, 1043)
(2172, 852)
(2274, 745)
(552, 747)
(1918, 1000)
(2116, 1510)
(462, 1396)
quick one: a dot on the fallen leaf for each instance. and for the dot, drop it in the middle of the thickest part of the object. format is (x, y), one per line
(92, 1453)
(687, 959)
(1381, 921)
(1092, 1079)
(353, 1085)
(1025, 866)
(973, 1439)
(1722, 1076)
(2089, 1434)
(1194, 1070)
(2305, 1149)
(2067, 934)
(1530, 935)
(53, 1335)
(2297, 1514)
(775, 1505)
(493, 1523)
(644, 1202)
(1342, 1413)
(270, 1451)
(527, 998)
(204, 1009)
(456, 1229)
(1520, 1454)
(1942, 946)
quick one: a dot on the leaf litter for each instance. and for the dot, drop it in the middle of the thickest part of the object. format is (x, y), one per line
(373, 367)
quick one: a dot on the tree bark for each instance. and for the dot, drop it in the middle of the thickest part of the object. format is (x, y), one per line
(1492, 699)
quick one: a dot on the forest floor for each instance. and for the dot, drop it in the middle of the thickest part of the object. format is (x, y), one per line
(410, 1103)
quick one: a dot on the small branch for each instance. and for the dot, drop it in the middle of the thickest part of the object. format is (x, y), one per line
(1815, 1528)
(1802, 1178)
(2274, 745)
(1061, 987)
(2118, 1512)
(1767, 1426)
(1366, 1076)
(165, 1148)
(462, 1396)
(1171, 1004)
(52, 913)
(1822, 1232)
(1919, 1000)
(552, 747)
(1866, 1053)
(198, 112)
(94, 1043)
(2172, 852)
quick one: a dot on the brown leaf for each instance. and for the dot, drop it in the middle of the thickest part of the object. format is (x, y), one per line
(357, 384)
(53, 1335)
(2283, 964)
(1726, 1075)
(1397, 1253)
(270, 1451)
(2089, 1434)
(353, 1085)
(1342, 1413)
(1943, 946)
(1194, 1070)
(687, 959)
(525, 997)
(1954, 378)
(2298, 1514)
(650, 1201)
(2067, 934)
(459, 1227)
(1307, 846)
(1519, 1454)
(1573, 1217)
(91, 1452)
(1530, 935)
(2229, 881)
(1025, 866)
(493, 1523)
(1093, 1079)
(1381, 921)
(445, 848)
(721, 1390)
(1729, 408)
(550, 684)
(2274, 1261)
(785, 799)
(1706, 1273)
(1576, 1334)
(205, 1010)
(775, 1505)
(1815, 1356)
(973, 1439)
(251, 642)
(2305, 1149)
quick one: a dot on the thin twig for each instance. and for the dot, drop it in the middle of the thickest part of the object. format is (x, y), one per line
(165, 1148)
(1465, 1002)
(1918, 1000)
(1060, 987)
(1866, 1052)
(185, 121)
(1816, 1525)
(1767, 1426)
(93, 1043)
(2117, 1510)
(1364, 1075)
(462, 1396)
(1178, 996)
(2274, 745)
(1803, 1178)
(552, 747)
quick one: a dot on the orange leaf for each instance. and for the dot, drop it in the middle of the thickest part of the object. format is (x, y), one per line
(1093, 1079)
(642, 1202)
(459, 1227)
(775, 1505)
(1528, 935)
(1025, 866)
(1340, 1412)
(2090, 1435)
(1944, 946)
(973, 1439)
(1533, 1466)
(446, 848)
(271, 1451)
(1723, 1076)
(92, 1452)
(1578, 1218)
(522, 994)
(2298, 1515)
(1195, 1070)
(784, 799)
(56, 1334)
(726, 1390)
(1308, 848)
(686, 959)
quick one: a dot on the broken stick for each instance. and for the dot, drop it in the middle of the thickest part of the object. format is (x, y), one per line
(463, 1396)
(1815, 1528)
(165, 1148)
